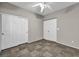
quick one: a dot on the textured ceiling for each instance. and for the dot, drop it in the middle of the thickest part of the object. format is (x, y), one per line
(55, 6)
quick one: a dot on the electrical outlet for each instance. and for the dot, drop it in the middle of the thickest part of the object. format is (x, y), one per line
(72, 41)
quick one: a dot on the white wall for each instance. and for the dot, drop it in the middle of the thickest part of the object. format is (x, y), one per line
(36, 29)
(69, 29)
(35, 23)
(68, 22)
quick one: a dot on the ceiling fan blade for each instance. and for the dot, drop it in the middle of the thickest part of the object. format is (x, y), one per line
(42, 9)
(36, 5)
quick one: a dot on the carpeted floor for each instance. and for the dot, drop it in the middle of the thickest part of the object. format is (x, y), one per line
(41, 48)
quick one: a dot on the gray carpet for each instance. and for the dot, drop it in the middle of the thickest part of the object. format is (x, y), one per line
(41, 48)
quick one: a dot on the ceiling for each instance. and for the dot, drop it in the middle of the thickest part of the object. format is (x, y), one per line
(55, 6)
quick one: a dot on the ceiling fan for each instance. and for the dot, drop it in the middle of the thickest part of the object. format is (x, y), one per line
(43, 5)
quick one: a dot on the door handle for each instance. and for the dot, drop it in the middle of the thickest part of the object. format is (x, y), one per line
(48, 31)
(2, 33)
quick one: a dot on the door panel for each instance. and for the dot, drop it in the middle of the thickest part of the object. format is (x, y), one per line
(14, 30)
(50, 32)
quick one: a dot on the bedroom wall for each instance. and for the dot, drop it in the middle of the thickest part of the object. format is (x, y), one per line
(68, 24)
(35, 23)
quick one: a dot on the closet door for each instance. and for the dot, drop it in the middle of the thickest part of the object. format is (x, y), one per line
(50, 32)
(14, 31)
(0, 30)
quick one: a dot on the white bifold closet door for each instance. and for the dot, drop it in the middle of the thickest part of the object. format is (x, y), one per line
(50, 29)
(14, 31)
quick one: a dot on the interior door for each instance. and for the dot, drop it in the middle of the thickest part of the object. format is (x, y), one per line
(50, 32)
(14, 31)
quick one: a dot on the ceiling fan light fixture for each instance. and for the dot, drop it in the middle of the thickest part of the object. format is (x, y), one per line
(42, 6)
